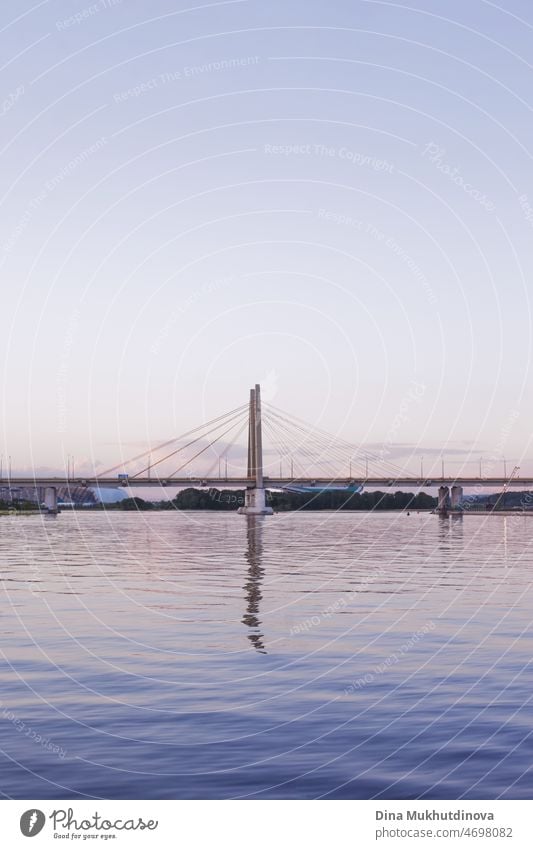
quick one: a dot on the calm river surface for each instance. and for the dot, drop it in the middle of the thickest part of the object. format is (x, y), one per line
(205, 655)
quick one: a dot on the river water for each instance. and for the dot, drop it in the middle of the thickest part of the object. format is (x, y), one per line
(304, 655)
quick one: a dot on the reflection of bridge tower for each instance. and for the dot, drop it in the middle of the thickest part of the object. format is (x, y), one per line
(255, 500)
(253, 556)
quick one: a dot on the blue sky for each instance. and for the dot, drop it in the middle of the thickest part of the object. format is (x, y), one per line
(335, 199)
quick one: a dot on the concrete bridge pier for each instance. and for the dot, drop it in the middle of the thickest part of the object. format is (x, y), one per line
(255, 503)
(456, 497)
(442, 505)
(50, 499)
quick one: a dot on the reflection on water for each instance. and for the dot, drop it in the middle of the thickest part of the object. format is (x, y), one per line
(252, 587)
(201, 655)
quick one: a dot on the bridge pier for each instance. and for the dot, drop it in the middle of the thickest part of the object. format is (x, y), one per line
(50, 499)
(255, 498)
(442, 505)
(456, 497)
(255, 503)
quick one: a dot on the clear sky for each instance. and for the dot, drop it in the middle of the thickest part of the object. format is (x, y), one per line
(335, 199)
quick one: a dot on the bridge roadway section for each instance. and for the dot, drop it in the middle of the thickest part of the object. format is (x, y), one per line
(269, 482)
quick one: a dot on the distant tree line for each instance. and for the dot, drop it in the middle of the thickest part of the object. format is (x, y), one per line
(17, 504)
(352, 501)
(231, 499)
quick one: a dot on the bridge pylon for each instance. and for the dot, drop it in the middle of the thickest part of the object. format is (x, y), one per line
(255, 497)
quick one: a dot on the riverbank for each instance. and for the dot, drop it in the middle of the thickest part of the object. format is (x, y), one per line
(484, 513)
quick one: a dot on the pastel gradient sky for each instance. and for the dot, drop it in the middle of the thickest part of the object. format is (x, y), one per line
(335, 199)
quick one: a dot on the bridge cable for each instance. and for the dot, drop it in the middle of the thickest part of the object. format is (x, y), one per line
(170, 441)
(311, 445)
(228, 448)
(336, 444)
(188, 444)
(309, 451)
(209, 445)
(288, 454)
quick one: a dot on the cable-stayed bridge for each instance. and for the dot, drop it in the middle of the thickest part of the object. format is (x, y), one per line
(298, 458)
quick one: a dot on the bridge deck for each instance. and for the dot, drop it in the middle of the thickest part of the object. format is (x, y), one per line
(269, 482)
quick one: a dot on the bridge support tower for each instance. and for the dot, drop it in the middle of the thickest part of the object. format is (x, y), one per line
(456, 497)
(255, 498)
(442, 506)
(50, 499)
